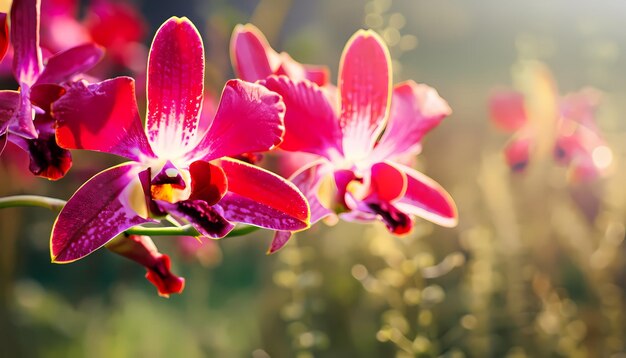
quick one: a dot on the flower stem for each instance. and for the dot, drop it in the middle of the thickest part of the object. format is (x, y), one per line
(57, 204)
(32, 200)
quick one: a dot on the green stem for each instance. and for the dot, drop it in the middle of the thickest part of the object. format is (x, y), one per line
(31, 200)
(57, 205)
(185, 230)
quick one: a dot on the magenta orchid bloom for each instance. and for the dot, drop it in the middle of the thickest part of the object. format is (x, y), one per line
(578, 143)
(254, 59)
(24, 114)
(118, 27)
(178, 165)
(368, 181)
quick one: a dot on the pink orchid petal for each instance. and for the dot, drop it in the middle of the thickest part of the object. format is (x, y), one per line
(113, 23)
(427, 199)
(517, 152)
(102, 117)
(67, 64)
(94, 215)
(175, 87)
(25, 40)
(251, 55)
(279, 241)
(209, 220)
(365, 87)
(258, 197)
(22, 121)
(310, 122)
(44, 95)
(9, 102)
(320, 75)
(4, 35)
(415, 110)
(508, 111)
(47, 159)
(581, 106)
(249, 119)
(208, 182)
(142, 250)
(387, 182)
(308, 180)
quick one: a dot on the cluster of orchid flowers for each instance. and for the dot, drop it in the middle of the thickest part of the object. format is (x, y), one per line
(566, 125)
(192, 166)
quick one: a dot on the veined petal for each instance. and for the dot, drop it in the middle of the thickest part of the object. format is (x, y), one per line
(4, 35)
(507, 110)
(251, 55)
(9, 102)
(142, 250)
(67, 64)
(365, 88)
(175, 87)
(102, 117)
(427, 199)
(258, 197)
(308, 180)
(249, 119)
(310, 122)
(415, 110)
(25, 40)
(94, 215)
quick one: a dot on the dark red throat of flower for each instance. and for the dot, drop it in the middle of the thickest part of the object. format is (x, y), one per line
(396, 221)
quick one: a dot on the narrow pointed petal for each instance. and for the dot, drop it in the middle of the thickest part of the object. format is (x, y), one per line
(415, 110)
(208, 182)
(9, 103)
(365, 87)
(94, 215)
(310, 122)
(25, 40)
(279, 241)
(208, 220)
(102, 117)
(142, 250)
(4, 35)
(65, 65)
(175, 87)
(258, 197)
(251, 55)
(427, 199)
(507, 110)
(249, 119)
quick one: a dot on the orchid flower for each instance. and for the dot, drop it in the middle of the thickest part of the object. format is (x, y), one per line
(118, 27)
(364, 174)
(24, 114)
(254, 59)
(576, 143)
(178, 165)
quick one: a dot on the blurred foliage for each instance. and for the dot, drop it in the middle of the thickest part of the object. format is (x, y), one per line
(536, 267)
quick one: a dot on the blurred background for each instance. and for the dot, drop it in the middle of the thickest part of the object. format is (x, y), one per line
(535, 267)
